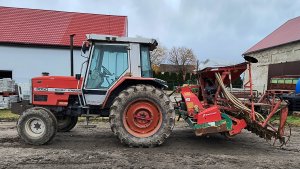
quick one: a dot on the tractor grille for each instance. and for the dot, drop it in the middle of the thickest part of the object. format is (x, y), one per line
(40, 98)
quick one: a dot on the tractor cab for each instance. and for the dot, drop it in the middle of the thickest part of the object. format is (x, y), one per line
(111, 59)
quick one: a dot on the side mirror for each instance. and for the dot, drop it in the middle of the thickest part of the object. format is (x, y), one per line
(78, 76)
(85, 47)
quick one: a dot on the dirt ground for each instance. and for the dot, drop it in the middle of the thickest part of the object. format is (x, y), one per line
(99, 148)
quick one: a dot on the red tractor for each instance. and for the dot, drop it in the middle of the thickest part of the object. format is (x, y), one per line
(118, 84)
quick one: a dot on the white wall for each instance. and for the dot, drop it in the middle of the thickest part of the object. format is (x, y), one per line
(281, 54)
(28, 62)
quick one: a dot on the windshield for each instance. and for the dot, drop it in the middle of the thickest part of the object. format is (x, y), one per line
(108, 63)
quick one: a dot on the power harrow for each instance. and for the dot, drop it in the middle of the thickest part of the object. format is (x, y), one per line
(213, 107)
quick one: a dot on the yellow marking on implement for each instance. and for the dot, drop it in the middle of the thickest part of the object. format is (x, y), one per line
(190, 105)
(187, 93)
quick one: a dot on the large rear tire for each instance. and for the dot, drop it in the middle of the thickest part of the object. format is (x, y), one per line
(37, 126)
(66, 123)
(142, 116)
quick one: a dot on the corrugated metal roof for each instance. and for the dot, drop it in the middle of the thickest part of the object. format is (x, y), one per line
(286, 33)
(46, 27)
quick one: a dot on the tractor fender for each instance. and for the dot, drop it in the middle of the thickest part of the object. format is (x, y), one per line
(125, 82)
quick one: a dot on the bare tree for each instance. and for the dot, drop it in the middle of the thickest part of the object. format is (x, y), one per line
(158, 55)
(182, 57)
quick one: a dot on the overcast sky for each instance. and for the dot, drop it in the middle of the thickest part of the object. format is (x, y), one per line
(220, 30)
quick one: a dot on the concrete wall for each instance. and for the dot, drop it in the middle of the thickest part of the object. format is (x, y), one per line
(28, 62)
(281, 54)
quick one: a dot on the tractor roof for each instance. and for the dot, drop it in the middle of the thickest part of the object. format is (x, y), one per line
(152, 43)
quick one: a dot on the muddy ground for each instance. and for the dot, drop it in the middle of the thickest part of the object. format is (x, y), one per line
(99, 148)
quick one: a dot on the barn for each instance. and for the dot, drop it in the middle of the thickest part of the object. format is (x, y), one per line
(33, 41)
(278, 54)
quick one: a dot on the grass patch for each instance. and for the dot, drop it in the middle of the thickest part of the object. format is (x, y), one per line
(6, 115)
(294, 120)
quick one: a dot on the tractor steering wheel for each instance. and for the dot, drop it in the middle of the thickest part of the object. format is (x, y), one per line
(97, 78)
(106, 71)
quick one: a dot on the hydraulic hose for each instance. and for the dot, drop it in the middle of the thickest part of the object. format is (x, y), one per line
(235, 101)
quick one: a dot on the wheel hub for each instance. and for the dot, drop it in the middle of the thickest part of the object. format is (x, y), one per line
(35, 127)
(142, 118)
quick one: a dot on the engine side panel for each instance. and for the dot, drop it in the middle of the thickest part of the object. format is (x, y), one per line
(54, 90)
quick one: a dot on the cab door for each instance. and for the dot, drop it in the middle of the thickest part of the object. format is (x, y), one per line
(108, 62)
(146, 69)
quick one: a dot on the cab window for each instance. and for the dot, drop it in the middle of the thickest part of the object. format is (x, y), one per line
(145, 62)
(108, 63)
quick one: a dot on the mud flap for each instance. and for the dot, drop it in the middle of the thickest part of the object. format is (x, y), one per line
(222, 127)
(214, 127)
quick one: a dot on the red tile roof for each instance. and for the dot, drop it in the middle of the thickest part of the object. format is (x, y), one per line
(287, 33)
(46, 27)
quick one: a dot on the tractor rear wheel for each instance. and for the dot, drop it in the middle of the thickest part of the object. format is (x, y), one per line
(142, 116)
(37, 126)
(66, 123)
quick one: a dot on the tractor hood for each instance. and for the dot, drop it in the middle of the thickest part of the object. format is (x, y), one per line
(56, 82)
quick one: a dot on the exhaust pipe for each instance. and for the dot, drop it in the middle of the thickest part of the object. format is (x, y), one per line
(72, 53)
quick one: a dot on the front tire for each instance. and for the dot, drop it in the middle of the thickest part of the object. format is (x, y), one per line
(37, 126)
(66, 123)
(142, 116)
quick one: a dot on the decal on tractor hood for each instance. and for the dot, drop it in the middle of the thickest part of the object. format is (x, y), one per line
(40, 89)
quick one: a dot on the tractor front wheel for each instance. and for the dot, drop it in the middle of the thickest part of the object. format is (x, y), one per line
(66, 123)
(37, 126)
(142, 116)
